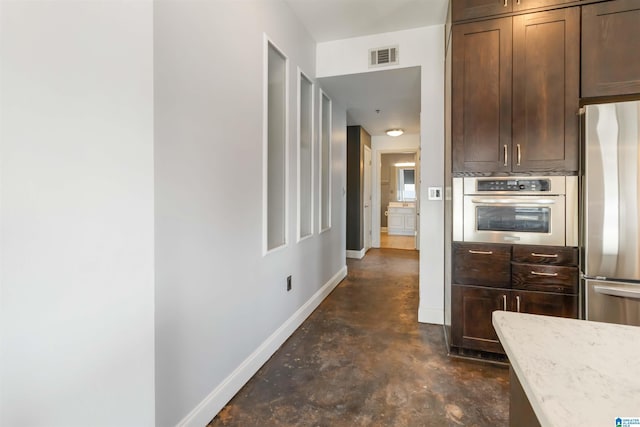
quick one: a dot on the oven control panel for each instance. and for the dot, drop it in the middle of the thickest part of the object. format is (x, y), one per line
(514, 185)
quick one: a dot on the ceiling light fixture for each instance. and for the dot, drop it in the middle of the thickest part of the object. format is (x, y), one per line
(404, 165)
(395, 132)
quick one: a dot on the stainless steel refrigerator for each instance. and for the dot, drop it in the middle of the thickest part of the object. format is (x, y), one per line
(611, 228)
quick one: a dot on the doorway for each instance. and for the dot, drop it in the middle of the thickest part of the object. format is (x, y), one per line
(397, 182)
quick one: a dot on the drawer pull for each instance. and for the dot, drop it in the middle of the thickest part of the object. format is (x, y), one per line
(504, 302)
(480, 252)
(536, 273)
(518, 303)
(544, 255)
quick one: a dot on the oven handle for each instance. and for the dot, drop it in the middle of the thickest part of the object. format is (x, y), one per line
(514, 201)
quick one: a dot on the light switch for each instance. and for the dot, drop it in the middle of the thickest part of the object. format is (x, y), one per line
(435, 193)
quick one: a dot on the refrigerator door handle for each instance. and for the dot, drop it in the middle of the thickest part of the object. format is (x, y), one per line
(617, 291)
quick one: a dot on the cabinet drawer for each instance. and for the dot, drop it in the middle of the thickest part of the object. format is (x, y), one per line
(482, 264)
(545, 278)
(552, 255)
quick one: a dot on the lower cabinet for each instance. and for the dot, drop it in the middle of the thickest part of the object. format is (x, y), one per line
(548, 304)
(471, 311)
(521, 278)
(473, 306)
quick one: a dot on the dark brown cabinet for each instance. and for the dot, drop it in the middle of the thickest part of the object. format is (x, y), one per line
(610, 48)
(532, 279)
(546, 85)
(481, 96)
(471, 312)
(515, 93)
(482, 264)
(545, 303)
(471, 9)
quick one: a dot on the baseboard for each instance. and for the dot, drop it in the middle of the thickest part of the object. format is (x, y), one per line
(222, 394)
(356, 254)
(384, 229)
(431, 315)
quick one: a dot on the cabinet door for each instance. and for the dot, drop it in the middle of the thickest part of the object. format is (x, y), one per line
(482, 264)
(410, 222)
(481, 96)
(546, 60)
(471, 325)
(610, 46)
(468, 9)
(545, 303)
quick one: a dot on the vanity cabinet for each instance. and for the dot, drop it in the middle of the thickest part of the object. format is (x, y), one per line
(610, 46)
(401, 220)
(521, 278)
(515, 93)
(472, 9)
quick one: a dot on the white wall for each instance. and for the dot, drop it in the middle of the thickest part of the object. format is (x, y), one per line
(76, 220)
(221, 306)
(422, 47)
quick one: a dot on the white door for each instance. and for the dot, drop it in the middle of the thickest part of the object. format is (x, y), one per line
(366, 199)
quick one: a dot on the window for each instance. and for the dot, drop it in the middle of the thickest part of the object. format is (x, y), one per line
(275, 148)
(305, 156)
(406, 185)
(325, 162)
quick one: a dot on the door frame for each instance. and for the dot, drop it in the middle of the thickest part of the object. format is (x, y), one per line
(377, 189)
(367, 181)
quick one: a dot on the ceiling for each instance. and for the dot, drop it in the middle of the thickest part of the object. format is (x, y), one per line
(396, 93)
(340, 19)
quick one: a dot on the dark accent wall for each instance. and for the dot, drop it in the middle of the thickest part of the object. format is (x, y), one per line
(357, 139)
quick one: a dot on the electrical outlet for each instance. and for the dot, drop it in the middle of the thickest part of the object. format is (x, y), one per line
(288, 283)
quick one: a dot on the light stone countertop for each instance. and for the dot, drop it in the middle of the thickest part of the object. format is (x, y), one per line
(574, 372)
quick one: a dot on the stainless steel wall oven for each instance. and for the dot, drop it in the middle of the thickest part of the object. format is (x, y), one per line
(525, 210)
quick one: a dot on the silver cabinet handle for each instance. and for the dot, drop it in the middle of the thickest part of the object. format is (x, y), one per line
(506, 150)
(504, 302)
(617, 291)
(518, 2)
(518, 303)
(518, 153)
(536, 273)
(544, 255)
(505, 3)
(480, 252)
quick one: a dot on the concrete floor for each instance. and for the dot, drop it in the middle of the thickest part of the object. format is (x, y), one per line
(362, 359)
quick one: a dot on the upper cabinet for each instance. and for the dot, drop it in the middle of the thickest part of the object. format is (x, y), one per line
(610, 48)
(481, 96)
(515, 89)
(546, 84)
(472, 9)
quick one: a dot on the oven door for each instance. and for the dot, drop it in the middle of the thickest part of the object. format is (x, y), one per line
(531, 220)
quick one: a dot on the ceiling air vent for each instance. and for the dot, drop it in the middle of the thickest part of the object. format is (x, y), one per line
(383, 56)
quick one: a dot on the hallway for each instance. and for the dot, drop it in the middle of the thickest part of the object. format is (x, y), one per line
(362, 359)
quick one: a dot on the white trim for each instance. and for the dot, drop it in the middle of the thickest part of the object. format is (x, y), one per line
(302, 74)
(329, 154)
(383, 229)
(222, 394)
(431, 315)
(356, 254)
(265, 145)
